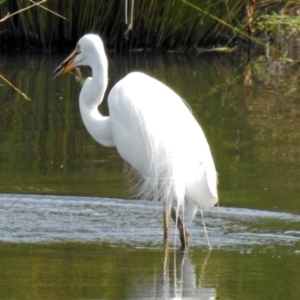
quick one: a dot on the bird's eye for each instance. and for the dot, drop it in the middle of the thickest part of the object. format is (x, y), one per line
(77, 49)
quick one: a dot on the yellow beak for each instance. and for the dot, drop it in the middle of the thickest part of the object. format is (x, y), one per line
(66, 66)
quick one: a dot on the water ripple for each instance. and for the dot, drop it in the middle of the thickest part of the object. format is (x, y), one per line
(36, 219)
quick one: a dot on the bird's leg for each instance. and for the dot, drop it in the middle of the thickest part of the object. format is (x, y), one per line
(166, 225)
(184, 236)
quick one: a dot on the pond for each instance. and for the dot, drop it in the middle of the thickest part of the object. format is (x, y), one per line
(68, 226)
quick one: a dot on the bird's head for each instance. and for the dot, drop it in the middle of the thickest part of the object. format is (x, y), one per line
(85, 53)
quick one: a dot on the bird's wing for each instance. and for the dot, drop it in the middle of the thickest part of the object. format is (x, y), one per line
(156, 133)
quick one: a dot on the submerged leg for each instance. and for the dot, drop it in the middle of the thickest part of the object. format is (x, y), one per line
(166, 225)
(208, 243)
(184, 236)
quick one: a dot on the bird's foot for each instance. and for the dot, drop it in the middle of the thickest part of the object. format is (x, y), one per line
(184, 249)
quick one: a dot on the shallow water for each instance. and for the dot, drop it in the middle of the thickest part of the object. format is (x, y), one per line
(44, 219)
(86, 247)
(66, 230)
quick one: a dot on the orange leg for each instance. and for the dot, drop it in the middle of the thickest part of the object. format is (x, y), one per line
(166, 225)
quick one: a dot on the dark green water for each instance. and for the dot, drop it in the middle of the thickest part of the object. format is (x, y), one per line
(84, 249)
(98, 271)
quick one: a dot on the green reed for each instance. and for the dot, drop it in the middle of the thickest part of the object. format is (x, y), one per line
(175, 25)
(162, 25)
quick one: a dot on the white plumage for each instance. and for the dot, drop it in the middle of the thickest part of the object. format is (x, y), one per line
(152, 129)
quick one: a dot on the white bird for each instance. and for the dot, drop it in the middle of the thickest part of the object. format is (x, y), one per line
(153, 130)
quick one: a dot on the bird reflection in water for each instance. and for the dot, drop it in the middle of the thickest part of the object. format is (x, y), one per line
(177, 279)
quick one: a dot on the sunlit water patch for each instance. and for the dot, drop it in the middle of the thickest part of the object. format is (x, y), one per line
(34, 218)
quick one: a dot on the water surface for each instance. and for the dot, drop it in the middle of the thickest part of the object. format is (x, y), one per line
(85, 247)
(67, 228)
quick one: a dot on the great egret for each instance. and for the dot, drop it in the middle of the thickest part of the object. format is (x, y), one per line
(153, 130)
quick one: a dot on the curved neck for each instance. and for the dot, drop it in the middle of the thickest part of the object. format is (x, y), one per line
(90, 98)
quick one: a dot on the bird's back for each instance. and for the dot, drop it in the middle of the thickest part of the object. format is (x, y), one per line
(157, 135)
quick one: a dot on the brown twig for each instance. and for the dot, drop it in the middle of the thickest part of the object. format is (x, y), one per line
(47, 9)
(13, 87)
(21, 10)
(15, 13)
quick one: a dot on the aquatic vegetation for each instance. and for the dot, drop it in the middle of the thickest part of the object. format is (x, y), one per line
(278, 20)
